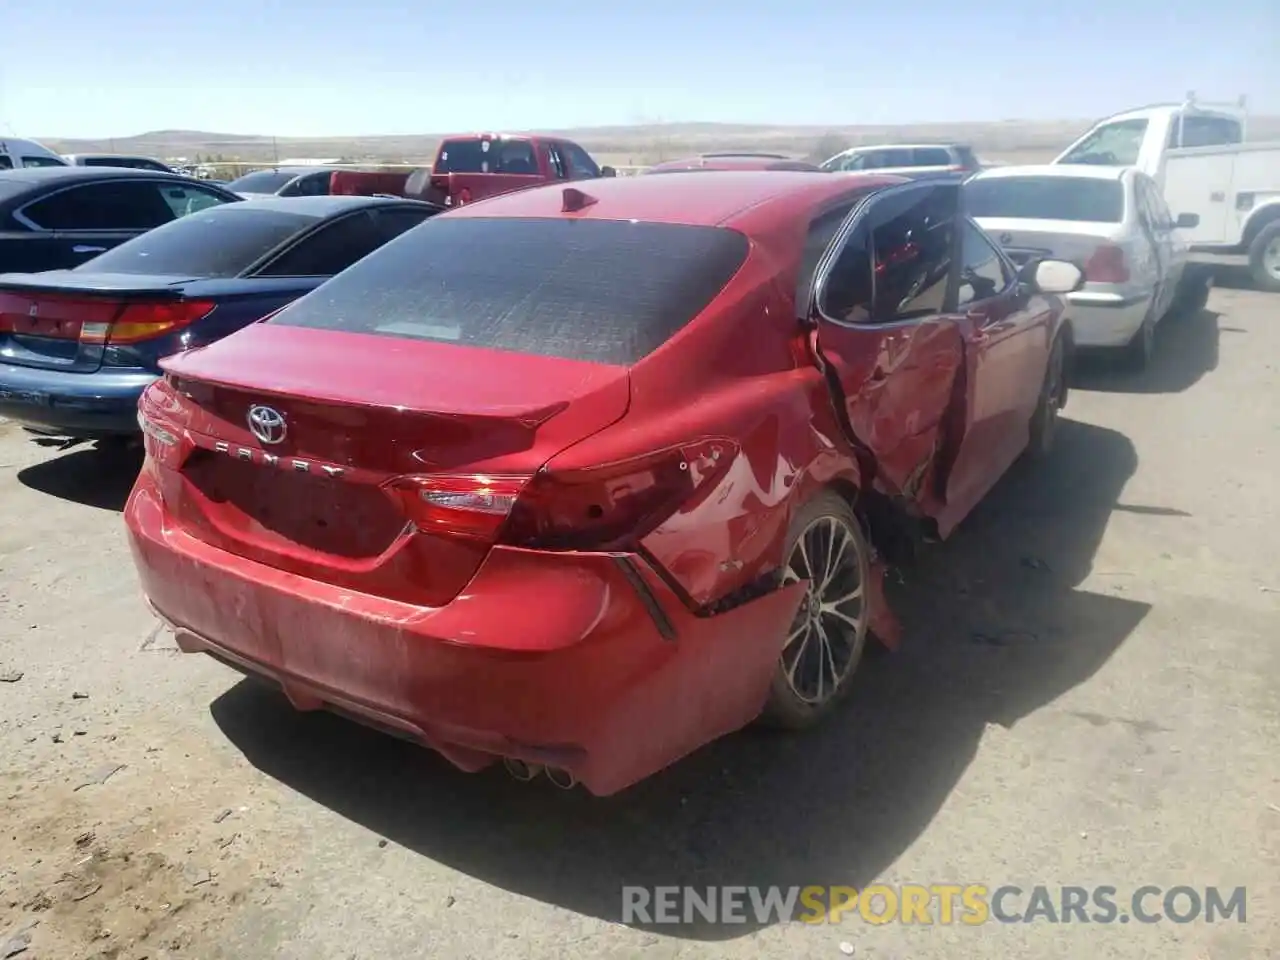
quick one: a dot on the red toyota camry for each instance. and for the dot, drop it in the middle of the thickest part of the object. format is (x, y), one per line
(582, 478)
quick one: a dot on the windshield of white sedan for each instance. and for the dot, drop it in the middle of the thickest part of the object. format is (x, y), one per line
(1046, 198)
(605, 291)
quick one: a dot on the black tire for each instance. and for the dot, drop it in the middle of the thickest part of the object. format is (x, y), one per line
(1137, 353)
(1053, 397)
(812, 675)
(1193, 292)
(1264, 258)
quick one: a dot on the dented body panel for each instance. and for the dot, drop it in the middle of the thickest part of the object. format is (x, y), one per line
(609, 663)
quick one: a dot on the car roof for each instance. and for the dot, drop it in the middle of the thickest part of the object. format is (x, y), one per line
(44, 175)
(1086, 171)
(695, 198)
(319, 207)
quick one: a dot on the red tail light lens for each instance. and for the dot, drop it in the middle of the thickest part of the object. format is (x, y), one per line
(464, 196)
(616, 505)
(1107, 265)
(603, 508)
(475, 506)
(139, 322)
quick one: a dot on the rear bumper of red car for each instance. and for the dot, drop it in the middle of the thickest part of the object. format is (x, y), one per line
(587, 662)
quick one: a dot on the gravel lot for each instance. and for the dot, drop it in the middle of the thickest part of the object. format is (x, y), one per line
(1087, 694)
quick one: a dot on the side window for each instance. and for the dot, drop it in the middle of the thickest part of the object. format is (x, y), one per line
(983, 272)
(5, 162)
(517, 156)
(1200, 131)
(931, 157)
(911, 234)
(329, 250)
(581, 166)
(41, 162)
(872, 160)
(896, 264)
(556, 162)
(393, 221)
(184, 200)
(313, 185)
(854, 161)
(822, 230)
(113, 205)
(898, 157)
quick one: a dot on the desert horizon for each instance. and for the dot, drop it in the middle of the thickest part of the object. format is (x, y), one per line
(1008, 141)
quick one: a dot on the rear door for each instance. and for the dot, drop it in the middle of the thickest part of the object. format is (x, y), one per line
(891, 355)
(1151, 247)
(1157, 225)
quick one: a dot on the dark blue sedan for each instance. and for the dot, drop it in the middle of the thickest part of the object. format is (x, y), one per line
(78, 347)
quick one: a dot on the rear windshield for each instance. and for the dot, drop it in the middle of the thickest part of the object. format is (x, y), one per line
(222, 242)
(486, 156)
(606, 291)
(262, 181)
(1046, 198)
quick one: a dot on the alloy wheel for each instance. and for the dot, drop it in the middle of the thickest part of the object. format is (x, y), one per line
(826, 637)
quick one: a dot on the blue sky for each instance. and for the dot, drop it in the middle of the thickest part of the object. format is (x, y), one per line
(99, 68)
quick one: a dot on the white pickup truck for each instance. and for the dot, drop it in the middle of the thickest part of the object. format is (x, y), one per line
(1200, 158)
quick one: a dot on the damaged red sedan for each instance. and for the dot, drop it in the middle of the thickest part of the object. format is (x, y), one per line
(582, 478)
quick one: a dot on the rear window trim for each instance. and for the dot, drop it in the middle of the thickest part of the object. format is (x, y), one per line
(741, 255)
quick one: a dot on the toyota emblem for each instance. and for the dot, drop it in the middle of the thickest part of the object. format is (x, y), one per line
(1006, 239)
(267, 424)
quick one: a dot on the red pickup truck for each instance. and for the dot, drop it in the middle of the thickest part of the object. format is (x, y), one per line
(480, 165)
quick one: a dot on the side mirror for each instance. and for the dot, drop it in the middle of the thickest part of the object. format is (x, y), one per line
(608, 172)
(1186, 221)
(1053, 276)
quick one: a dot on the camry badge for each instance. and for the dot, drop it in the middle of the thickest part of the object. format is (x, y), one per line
(267, 424)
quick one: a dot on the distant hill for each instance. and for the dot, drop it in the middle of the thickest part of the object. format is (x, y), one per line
(1009, 140)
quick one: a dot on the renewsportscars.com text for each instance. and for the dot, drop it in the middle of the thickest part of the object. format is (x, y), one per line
(966, 904)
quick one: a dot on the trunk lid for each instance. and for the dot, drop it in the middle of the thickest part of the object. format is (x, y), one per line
(43, 316)
(1072, 240)
(352, 412)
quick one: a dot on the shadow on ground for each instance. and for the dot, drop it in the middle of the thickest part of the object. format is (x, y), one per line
(995, 629)
(1186, 350)
(94, 476)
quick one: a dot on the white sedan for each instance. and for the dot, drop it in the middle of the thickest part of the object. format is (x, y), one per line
(1110, 221)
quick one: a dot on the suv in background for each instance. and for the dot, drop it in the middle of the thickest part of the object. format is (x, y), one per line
(118, 160)
(916, 160)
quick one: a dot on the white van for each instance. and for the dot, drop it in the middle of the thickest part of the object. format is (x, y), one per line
(15, 153)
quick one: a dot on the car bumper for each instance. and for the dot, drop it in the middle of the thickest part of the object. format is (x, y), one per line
(586, 662)
(1106, 319)
(59, 403)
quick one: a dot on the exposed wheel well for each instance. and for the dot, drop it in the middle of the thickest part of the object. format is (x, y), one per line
(1261, 217)
(891, 531)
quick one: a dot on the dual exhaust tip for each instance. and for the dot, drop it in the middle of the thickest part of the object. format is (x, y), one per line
(524, 771)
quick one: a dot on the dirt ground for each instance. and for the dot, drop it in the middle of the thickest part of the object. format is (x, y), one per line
(1086, 694)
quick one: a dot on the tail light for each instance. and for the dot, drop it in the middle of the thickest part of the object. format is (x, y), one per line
(472, 506)
(601, 508)
(464, 196)
(1107, 265)
(138, 322)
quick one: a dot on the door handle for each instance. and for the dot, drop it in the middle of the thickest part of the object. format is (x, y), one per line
(81, 248)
